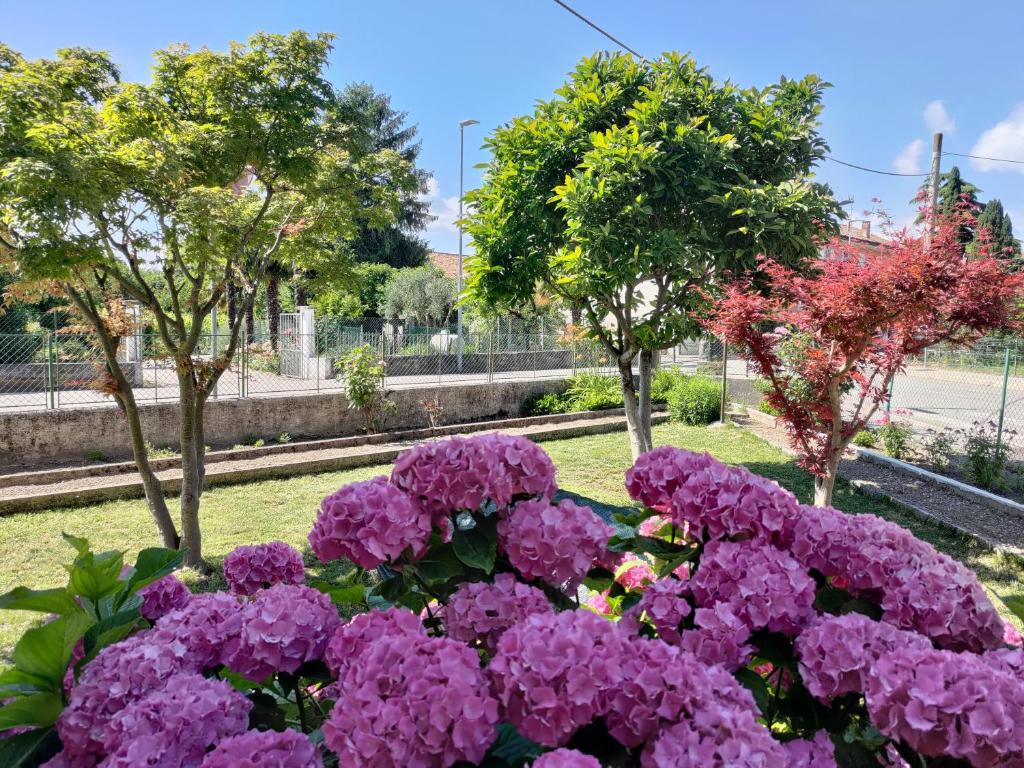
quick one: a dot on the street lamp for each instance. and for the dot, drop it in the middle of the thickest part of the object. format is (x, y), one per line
(463, 124)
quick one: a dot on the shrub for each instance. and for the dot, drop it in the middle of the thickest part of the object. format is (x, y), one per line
(695, 400)
(662, 382)
(594, 392)
(548, 403)
(364, 386)
(764, 633)
(895, 437)
(865, 439)
(938, 448)
(986, 455)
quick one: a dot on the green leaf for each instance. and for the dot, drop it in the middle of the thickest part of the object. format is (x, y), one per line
(58, 601)
(38, 709)
(152, 564)
(112, 629)
(81, 545)
(511, 748)
(439, 564)
(15, 681)
(44, 651)
(92, 582)
(29, 749)
(478, 547)
(599, 579)
(756, 684)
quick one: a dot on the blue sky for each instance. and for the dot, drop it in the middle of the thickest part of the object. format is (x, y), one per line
(900, 69)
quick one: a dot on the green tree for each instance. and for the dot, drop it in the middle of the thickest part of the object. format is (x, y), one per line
(424, 295)
(359, 297)
(169, 193)
(996, 223)
(956, 196)
(635, 190)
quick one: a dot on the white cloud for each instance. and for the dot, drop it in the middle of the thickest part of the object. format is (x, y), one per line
(909, 160)
(937, 118)
(444, 209)
(1005, 139)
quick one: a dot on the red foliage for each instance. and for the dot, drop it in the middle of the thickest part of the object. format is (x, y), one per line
(858, 315)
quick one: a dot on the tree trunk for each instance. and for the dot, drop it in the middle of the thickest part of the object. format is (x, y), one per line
(300, 291)
(823, 487)
(192, 465)
(639, 440)
(646, 374)
(250, 321)
(232, 304)
(273, 310)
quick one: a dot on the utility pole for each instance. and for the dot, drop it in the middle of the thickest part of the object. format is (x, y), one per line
(933, 186)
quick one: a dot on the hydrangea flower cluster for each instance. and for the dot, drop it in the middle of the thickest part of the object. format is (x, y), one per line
(201, 630)
(765, 587)
(281, 629)
(462, 473)
(634, 574)
(351, 639)
(656, 475)
(575, 651)
(720, 637)
(943, 703)
(162, 596)
(370, 523)
(481, 612)
(837, 652)
(557, 543)
(666, 605)
(411, 700)
(176, 724)
(265, 749)
(817, 753)
(252, 568)
(566, 758)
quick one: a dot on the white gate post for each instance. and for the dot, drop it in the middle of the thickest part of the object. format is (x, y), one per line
(307, 340)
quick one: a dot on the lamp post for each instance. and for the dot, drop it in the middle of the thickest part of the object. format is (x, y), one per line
(463, 124)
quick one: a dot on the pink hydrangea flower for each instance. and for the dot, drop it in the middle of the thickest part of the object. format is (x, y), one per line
(666, 605)
(1012, 636)
(656, 475)
(410, 700)
(634, 574)
(464, 473)
(162, 596)
(817, 753)
(949, 704)
(837, 652)
(720, 637)
(715, 736)
(252, 568)
(175, 725)
(201, 629)
(662, 684)
(351, 639)
(766, 587)
(120, 674)
(280, 630)
(554, 673)
(557, 543)
(265, 749)
(370, 523)
(566, 758)
(481, 612)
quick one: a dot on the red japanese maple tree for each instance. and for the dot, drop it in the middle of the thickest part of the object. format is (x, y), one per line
(830, 341)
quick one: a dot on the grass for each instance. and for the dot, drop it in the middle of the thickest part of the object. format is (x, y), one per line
(33, 553)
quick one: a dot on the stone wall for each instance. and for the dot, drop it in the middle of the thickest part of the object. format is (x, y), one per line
(42, 436)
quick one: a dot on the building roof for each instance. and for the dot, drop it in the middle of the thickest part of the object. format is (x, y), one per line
(446, 262)
(860, 232)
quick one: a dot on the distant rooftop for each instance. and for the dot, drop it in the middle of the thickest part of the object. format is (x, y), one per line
(446, 262)
(860, 232)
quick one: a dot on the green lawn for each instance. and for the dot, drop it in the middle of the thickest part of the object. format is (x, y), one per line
(32, 551)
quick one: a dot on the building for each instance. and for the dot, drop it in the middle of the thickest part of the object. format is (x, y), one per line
(446, 262)
(858, 232)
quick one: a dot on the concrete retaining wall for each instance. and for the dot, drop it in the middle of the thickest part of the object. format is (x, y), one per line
(48, 435)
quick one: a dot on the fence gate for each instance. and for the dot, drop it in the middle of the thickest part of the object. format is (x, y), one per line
(290, 345)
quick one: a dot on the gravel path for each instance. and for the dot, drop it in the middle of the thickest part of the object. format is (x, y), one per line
(933, 502)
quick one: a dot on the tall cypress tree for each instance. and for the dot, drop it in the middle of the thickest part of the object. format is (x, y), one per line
(1000, 230)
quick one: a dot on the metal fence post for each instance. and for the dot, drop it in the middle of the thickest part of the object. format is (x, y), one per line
(51, 395)
(1002, 401)
(888, 400)
(490, 356)
(243, 369)
(383, 361)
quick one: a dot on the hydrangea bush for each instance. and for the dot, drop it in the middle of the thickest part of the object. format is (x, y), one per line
(494, 624)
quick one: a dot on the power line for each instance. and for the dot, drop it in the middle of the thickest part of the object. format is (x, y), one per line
(591, 24)
(982, 157)
(874, 170)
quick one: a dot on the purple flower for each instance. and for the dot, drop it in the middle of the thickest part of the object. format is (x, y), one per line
(557, 543)
(656, 475)
(173, 727)
(252, 568)
(766, 588)
(280, 630)
(949, 704)
(719, 637)
(819, 753)
(351, 639)
(201, 629)
(837, 652)
(265, 749)
(120, 674)
(666, 605)
(717, 735)
(554, 673)
(411, 700)
(163, 596)
(565, 758)
(662, 684)
(634, 574)
(481, 612)
(370, 523)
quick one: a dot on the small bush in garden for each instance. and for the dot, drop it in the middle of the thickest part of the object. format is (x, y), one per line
(364, 386)
(895, 436)
(865, 439)
(284, 438)
(695, 400)
(546, 404)
(986, 454)
(730, 627)
(594, 392)
(938, 447)
(664, 381)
